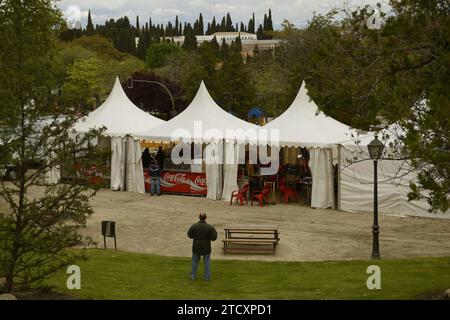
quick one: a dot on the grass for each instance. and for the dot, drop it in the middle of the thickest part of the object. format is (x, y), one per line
(120, 275)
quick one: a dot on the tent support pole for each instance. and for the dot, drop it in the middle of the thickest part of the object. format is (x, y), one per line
(125, 166)
(339, 176)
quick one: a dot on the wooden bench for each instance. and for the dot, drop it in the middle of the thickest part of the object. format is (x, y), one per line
(251, 239)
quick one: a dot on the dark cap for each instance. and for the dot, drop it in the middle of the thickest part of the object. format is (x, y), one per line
(202, 216)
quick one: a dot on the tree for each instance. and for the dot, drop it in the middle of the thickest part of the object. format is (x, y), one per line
(190, 41)
(201, 25)
(269, 21)
(251, 25)
(158, 52)
(37, 229)
(83, 87)
(233, 85)
(260, 33)
(152, 97)
(90, 26)
(229, 24)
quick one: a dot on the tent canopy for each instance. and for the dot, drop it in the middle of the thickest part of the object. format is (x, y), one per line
(303, 125)
(202, 121)
(119, 115)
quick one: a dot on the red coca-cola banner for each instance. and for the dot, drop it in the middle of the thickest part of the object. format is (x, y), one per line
(179, 182)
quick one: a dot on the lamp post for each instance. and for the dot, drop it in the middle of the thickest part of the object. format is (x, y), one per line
(376, 148)
(130, 86)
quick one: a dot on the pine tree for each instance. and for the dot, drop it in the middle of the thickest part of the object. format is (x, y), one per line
(138, 26)
(90, 26)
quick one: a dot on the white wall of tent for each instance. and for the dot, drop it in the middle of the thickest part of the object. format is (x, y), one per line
(329, 141)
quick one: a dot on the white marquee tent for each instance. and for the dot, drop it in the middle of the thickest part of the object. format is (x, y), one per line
(203, 121)
(121, 118)
(394, 177)
(303, 125)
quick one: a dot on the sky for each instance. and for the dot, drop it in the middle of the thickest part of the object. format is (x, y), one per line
(297, 12)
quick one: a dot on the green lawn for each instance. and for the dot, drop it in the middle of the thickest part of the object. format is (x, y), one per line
(121, 275)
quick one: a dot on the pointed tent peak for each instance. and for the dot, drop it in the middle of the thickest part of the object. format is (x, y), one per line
(303, 102)
(117, 84)
(117, 91)
(202, 95)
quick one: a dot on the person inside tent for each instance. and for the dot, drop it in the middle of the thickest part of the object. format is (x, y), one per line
(160, 157)
(146, 158)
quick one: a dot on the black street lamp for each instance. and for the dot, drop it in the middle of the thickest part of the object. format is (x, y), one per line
(130, 86)
(376, 148)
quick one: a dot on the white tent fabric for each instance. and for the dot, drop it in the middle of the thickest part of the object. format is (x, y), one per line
(322, 175)
(135, 177)
(203, 121)
(303, 125)
(117, 164)
(394, 177)
(119, 115)
(214, 156)
(230, 169)
(53, 175)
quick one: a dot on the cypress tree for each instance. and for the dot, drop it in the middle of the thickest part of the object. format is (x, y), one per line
(251, 25)
(242, 29)
(229, 23)
(260, 33)
(238, 43)
(201, 30)
(90, 26)
(269, 21)
(223, 25)
(190, 41)
(224, 50)
(176, 26)
(213, 26)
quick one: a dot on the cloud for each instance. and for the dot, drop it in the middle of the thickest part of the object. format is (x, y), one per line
(296, 11)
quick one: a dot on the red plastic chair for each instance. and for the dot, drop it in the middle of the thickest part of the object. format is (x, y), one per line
(261, 196)
(287, 192)
(240, 195)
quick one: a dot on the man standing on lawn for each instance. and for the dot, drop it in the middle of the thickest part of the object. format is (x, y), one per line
(202, 233)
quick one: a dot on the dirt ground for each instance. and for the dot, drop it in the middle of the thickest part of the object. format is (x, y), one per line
(158, 225)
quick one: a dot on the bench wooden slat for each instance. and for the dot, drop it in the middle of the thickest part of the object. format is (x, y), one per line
(251, 231)
(249, 251)
(271, 241)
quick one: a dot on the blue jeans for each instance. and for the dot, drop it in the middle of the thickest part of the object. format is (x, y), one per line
(155, 184)
(207, 263)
